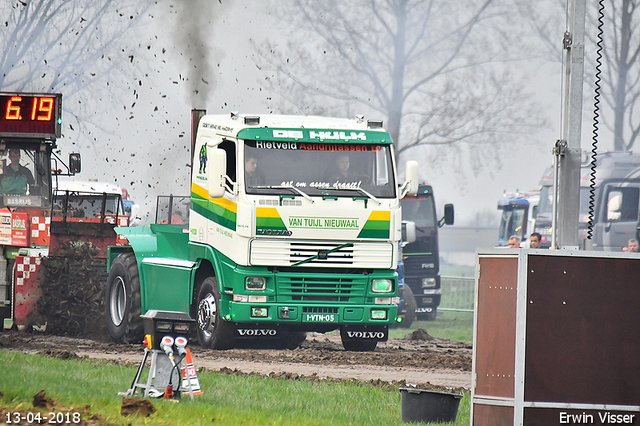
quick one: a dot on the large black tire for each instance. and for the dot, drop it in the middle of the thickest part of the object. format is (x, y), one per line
(122, 300)
(431, 316)
(213, 331)
(428, 316)
(361, 345)
(411, 306)
(292, 339)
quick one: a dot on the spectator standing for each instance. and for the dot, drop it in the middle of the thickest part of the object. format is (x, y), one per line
(632, 246)
(534, 240)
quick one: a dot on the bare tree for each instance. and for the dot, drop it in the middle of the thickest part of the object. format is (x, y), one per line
(620, 68)
(72, 47)
(437, 71)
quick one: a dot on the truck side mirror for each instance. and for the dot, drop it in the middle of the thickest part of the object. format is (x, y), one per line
(74, 163)
(408, 231)
(216, 171)
(448, 215)
(411, 177)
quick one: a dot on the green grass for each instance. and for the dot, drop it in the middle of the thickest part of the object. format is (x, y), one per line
(452, 325)
(226, 399)
(457, 271)
(230, 400)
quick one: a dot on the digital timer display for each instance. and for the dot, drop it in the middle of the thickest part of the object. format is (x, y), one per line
(30, 115)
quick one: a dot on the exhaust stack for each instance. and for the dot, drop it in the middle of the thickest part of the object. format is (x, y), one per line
(196, 115)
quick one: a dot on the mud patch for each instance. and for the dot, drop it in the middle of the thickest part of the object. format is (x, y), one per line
(46, 406)
(397, 360)
(134, 405)
(72, 286)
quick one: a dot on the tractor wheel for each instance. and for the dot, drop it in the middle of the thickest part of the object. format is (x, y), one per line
(122, 300)
(213, 331)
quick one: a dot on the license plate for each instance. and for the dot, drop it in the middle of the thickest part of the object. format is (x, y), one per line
(320, 318)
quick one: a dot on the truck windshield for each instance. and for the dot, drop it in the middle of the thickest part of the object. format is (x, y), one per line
(340, 170)
(421, 211)
(25, 177)
(545, 208)
(512, 223)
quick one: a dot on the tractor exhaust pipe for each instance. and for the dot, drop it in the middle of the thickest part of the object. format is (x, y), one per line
(196, 115)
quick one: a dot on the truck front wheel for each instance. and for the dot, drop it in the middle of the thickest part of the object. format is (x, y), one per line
(213, 331)
(122, 300)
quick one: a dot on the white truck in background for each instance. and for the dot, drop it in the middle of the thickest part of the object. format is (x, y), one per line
(615, 204)
(519, 211)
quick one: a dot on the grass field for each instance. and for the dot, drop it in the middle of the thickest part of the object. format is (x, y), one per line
(226, 399)
(452, 325)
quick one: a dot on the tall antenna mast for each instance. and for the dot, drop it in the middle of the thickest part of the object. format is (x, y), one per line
(568, 150)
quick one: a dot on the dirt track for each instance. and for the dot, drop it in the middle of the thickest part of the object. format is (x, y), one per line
(434, 363)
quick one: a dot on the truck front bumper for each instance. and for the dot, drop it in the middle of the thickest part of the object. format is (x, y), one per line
(311, 317)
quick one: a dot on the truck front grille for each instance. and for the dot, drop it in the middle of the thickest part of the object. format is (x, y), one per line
(420, 265)
(296, 288)
(320, 254)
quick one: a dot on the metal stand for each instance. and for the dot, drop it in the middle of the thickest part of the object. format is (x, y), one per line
(160, 371)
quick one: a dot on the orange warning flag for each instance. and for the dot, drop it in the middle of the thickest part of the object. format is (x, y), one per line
(189, 376)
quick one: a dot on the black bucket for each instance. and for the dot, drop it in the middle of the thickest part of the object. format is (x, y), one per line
(420, 405)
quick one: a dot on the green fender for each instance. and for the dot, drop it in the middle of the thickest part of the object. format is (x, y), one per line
(165, 270)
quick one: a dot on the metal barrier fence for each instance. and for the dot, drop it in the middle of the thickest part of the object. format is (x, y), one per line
(457, 294)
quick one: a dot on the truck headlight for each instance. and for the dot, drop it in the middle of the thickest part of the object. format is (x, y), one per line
(378, 314)
(240, 298)
(428, 282)
(250, 298)
(255, 283)
(259, 312)
(387, 301)
(382, 286)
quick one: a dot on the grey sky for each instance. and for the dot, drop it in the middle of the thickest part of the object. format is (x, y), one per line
(204, 60)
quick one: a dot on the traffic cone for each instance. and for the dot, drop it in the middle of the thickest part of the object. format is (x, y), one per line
(189, 376)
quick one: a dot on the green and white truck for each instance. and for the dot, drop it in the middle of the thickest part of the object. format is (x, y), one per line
(292, 226)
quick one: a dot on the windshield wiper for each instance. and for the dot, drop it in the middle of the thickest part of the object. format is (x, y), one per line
(284, 187)
(368, 194)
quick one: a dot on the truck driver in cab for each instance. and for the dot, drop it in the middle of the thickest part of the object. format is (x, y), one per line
(15, 177)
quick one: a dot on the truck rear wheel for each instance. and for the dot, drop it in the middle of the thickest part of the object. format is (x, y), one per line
(213, 331)
(292, 339)
(122, 300)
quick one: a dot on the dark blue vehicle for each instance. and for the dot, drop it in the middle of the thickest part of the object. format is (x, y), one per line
(422, 256)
